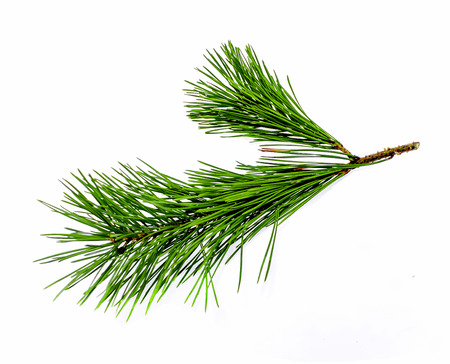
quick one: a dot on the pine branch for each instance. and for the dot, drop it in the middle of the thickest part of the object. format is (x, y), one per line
(147, 231)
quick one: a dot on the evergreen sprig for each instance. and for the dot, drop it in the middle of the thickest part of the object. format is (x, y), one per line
(146, 231)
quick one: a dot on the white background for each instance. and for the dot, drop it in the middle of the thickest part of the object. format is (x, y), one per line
(361, 274)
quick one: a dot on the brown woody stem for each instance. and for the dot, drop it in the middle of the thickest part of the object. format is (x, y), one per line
(387, 153)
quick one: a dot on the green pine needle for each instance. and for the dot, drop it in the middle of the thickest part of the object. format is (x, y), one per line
(146, 231)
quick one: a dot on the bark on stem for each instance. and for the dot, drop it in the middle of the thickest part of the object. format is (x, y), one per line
(387, 153)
